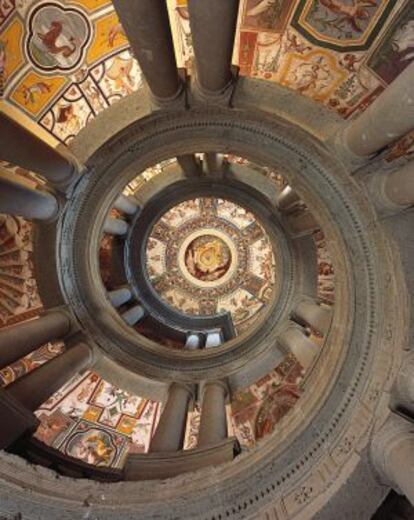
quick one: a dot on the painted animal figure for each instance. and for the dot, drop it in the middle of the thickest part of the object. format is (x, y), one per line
(29, 93)
(295, 45)
(49, 40)
(350, 13)
(349, 61)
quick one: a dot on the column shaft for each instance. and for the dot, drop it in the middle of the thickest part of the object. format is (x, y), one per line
(213, 164)
(213, 421)
(126, 204)
(133, 315)
(18, 199)
(300, 345)
(115, 226)
(213, 339)
(190, 165)
(147, 26)
(213, 27)
(19, 340)
(24, 149)
(399, 185)
(287, 198)
(36, 387)
(314, 315)
(192, 342)
(170, 432)
(390, 117)
(119, 296)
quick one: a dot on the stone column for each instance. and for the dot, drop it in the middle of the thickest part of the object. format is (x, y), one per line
(190, 165)
(213, 421)
(390, 117)
(147, 27)
(213, 28)
(133, 315)
(115, 226)
(119, 296)
(213, 164)
(405, 380)
(19, 340)
(37, 386)
(192, 342)
(393, 454)
(302, 223)
(286, 199)
(398, 186)
(126, 204)
(169, 436)
(295, 341)
(24, 149)
(214, 339)
(18, 199)
(318, 317)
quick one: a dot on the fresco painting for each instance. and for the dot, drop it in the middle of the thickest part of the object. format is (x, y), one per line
(396, 48)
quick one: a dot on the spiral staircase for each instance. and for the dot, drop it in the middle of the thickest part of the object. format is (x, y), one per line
(214, 136)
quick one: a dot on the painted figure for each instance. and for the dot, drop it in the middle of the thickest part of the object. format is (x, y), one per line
(350, 13)
(403, 41)
(34, 90)
(115, 31)
(49, 40)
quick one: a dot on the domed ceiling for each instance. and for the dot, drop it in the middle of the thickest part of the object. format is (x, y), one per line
(61, 63)
(207, 256)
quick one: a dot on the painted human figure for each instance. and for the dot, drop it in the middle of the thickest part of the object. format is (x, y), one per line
(350, 13)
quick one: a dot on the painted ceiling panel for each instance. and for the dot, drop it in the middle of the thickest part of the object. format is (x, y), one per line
(62, 62)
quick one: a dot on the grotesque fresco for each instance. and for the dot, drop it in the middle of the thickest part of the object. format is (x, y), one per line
(206, 256)
(341, 24)
(63, 62)
(396, 49)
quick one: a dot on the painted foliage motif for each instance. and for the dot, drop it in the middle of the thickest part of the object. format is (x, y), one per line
(341, 24)
(57, 37)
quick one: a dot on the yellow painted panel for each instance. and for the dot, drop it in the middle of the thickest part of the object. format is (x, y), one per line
(109, 35)
(35, 91)
(92, 414)
(12, 40)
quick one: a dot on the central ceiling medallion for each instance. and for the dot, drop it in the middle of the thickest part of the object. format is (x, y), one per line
(207, 256)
